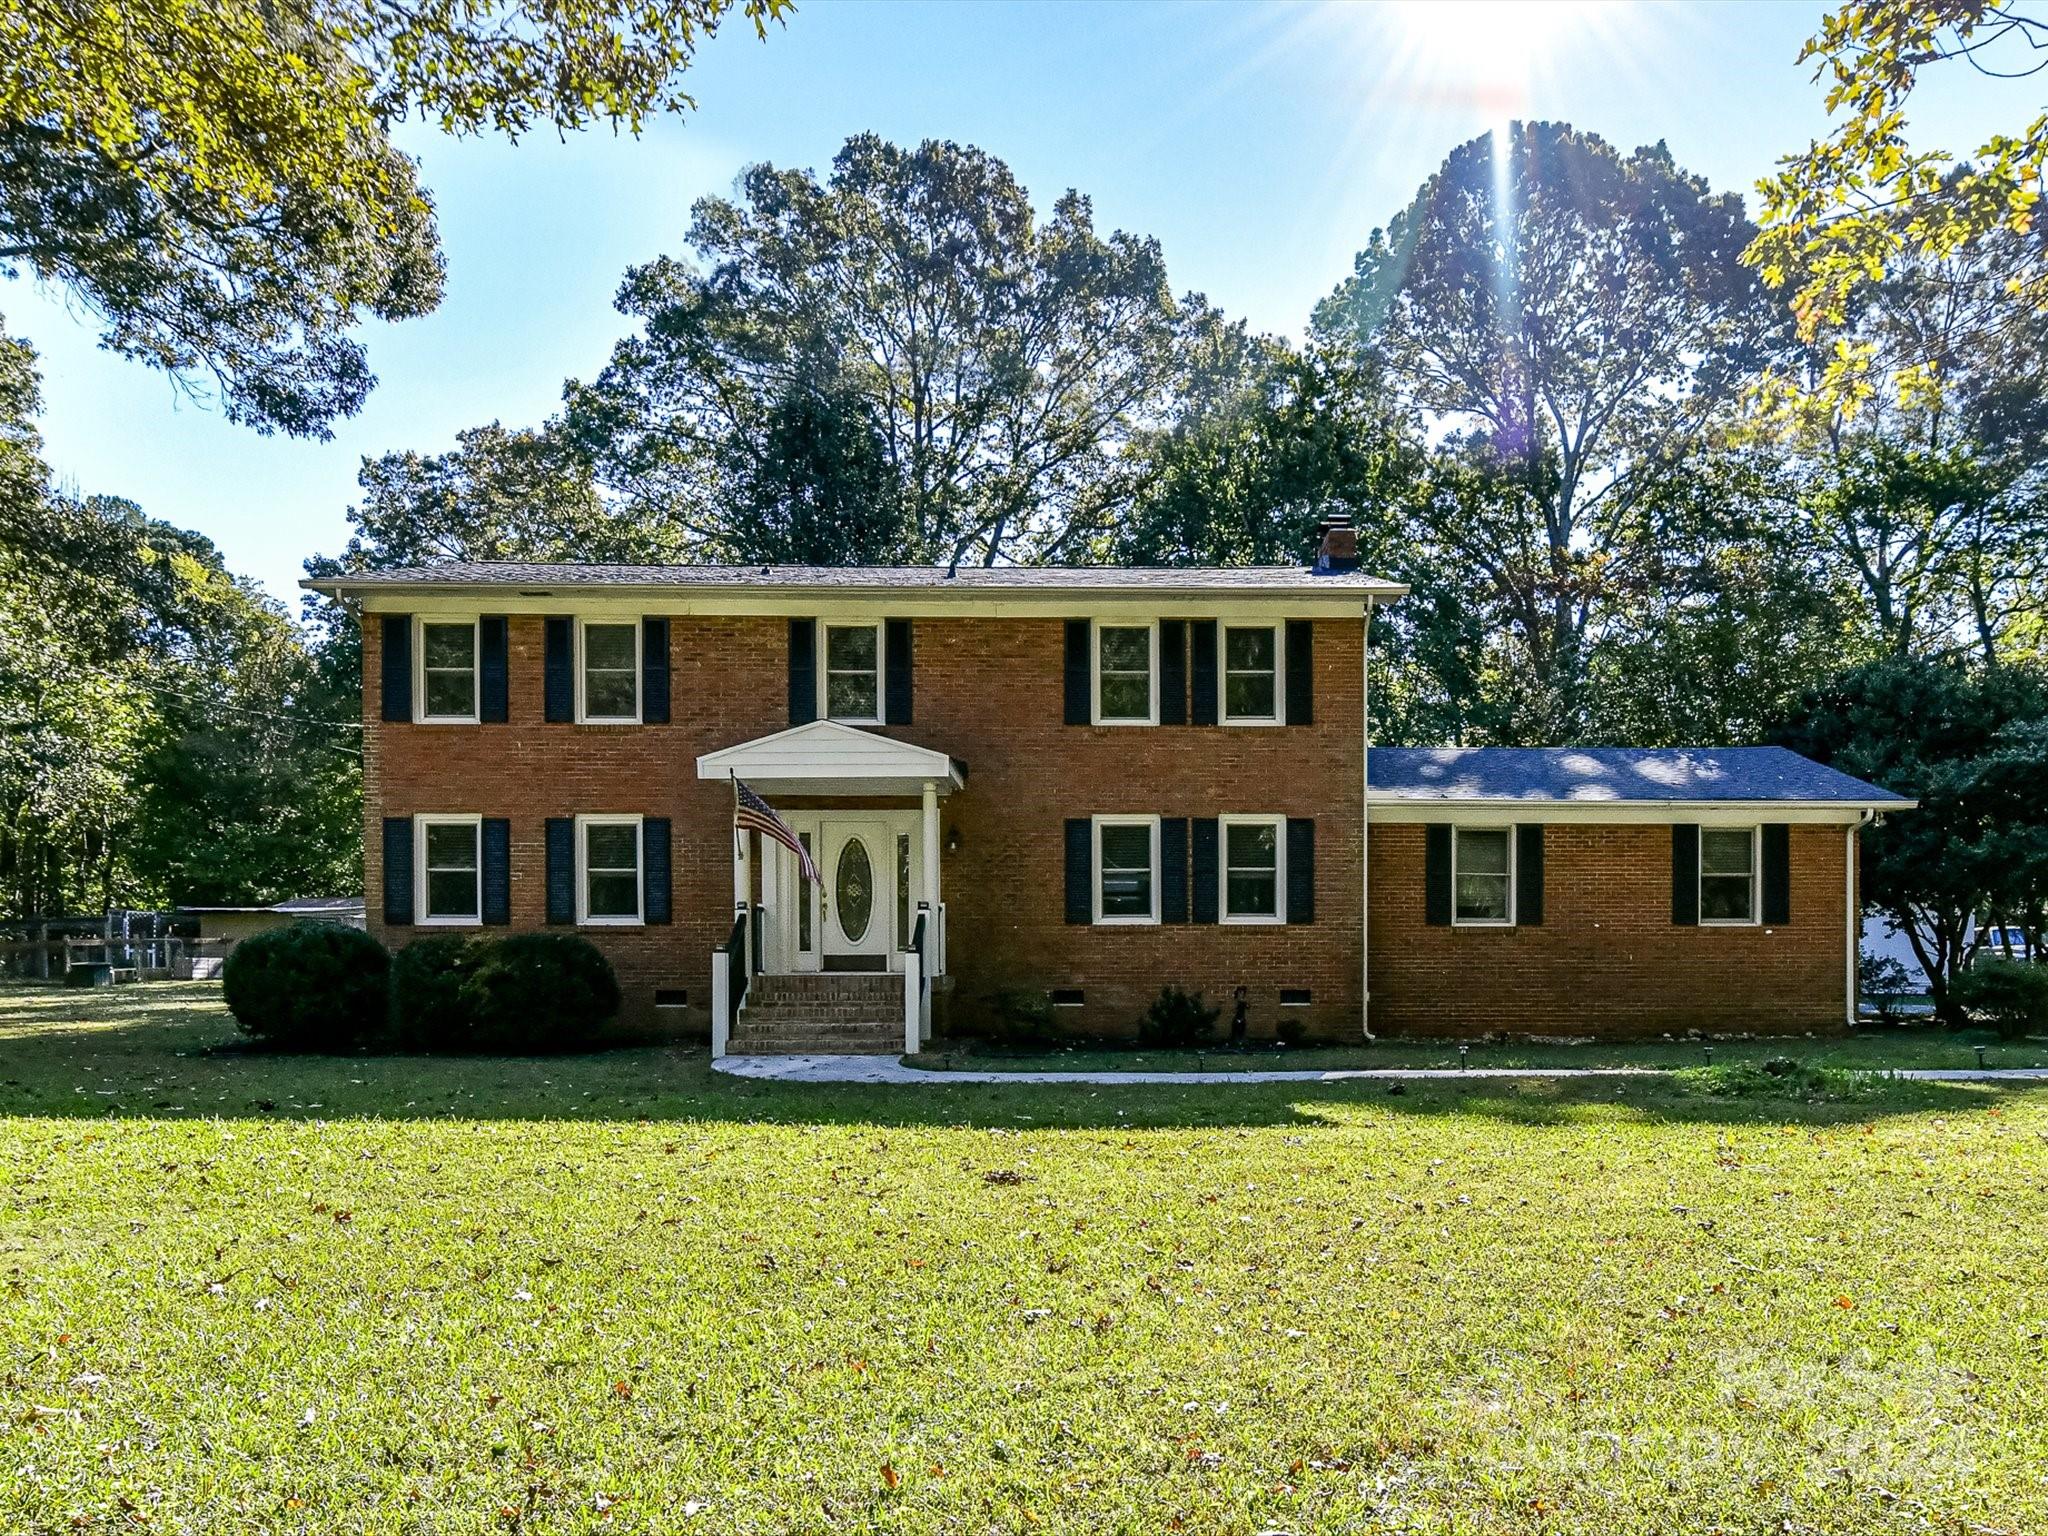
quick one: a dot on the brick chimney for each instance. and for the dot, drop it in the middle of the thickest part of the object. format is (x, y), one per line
(1336, 545)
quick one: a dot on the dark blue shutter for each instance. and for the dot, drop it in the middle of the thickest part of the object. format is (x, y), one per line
(1301, 870)
(561, 869)
(655, 904)
(1529, 875)
(1173, 869)
(1436, 876)
(654, 671)
(1685, 875)
(1173, 672)
(1205, 855)
(1080, 870)
(497, 861)
(803, 671)
(1078, 672)
(896, 691)
(1777, 873)
(558, 671)
(397, 676)
(1301, 672)
(398, 872)
(1202, 634)
(493, 664)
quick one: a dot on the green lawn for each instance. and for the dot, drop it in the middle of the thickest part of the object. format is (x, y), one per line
(1877, 1050)
(245, 1293)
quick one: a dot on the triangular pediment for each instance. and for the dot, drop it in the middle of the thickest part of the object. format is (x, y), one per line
(826, 757)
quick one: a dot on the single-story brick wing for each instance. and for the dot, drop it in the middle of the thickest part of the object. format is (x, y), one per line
(1075, 783)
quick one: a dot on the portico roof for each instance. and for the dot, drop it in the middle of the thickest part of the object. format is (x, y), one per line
(828, 758)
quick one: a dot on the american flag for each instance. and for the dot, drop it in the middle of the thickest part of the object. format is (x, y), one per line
(750, 813)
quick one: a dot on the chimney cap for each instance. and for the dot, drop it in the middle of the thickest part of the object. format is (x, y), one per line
(1336, 545)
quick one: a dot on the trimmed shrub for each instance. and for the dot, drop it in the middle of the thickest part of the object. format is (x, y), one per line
(308, 987)
(1290, 1032)
(1176, 1019)
(1019, 1017)
(1779, 1078)
(429, 1008)
(538, 992)
(2009, 995)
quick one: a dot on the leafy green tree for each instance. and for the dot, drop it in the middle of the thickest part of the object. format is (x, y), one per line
(813, 485)
(499, 494)
(1854, 208)
(1969, 744)
(1005, 364)
(214, 177)
(1569, 315)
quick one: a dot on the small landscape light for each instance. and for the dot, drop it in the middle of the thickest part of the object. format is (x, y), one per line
(1980, 1055)
(1710, 1054)
(1464, 1051)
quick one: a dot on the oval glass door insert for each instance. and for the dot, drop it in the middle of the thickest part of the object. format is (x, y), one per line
(853, 890)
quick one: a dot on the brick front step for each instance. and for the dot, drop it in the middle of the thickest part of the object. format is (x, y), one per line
(805, 1043)
(846, 990)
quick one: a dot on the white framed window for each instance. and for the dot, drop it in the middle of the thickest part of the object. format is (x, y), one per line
(850, 682)
(608, 857)
(1249, 678)
(608, 671)
(1253, 869)
(1728, 875)
(1126, 674)
(445, 671)
(448, 886)
(1127, 869)
(1483, 877)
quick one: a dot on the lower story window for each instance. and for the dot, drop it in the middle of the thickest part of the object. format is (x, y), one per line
(1251, 869)
(1482, 875)
(1127, 862)
(1728, 874)
(451, 888)
(608, 852)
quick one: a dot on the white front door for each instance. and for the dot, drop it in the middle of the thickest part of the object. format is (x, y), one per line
(858, 901)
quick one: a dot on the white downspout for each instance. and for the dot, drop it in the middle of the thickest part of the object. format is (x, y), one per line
(1365, 824)
(1853, 919)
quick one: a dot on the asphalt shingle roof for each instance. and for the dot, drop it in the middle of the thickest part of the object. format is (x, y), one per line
(868, 578)
(1683, 775)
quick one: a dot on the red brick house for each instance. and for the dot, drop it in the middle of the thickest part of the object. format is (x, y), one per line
(1083, 782)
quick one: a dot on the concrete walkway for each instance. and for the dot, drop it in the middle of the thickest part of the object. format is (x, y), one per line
(888, 1069)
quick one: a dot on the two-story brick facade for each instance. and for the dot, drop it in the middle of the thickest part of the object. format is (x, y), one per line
(1091, 783)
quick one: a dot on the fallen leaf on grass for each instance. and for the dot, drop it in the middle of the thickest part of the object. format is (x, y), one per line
(890, 1477)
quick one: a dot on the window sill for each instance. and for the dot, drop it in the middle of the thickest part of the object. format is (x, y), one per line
(611, 922)
(1126, 922)
(1253, 920)
(449, 922)
(1253, 721)
(446, 720)
(1120, 724)
(608, 720)
(1483, 924)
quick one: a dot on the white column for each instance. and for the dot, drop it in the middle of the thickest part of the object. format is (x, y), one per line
(913, 1006)
(931, 869)
(721, 1005)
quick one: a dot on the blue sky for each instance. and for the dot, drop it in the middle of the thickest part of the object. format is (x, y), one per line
(1258, 143)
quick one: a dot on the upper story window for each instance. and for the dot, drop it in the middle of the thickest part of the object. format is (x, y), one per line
(447, 680)
(1482, 876)
(608, 869)
(1126, 674)
(608, 677)
(1126, 869)
(1728, 866)
(1253, 850)
(1251, 674)
(853, 673)
(450, 878)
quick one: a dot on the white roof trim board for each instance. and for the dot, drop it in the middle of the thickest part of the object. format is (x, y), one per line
(827, 758)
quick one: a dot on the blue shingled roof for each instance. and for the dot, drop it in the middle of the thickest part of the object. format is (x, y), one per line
(1581, 774)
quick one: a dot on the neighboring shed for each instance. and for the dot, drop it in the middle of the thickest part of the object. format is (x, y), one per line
(222, 928)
